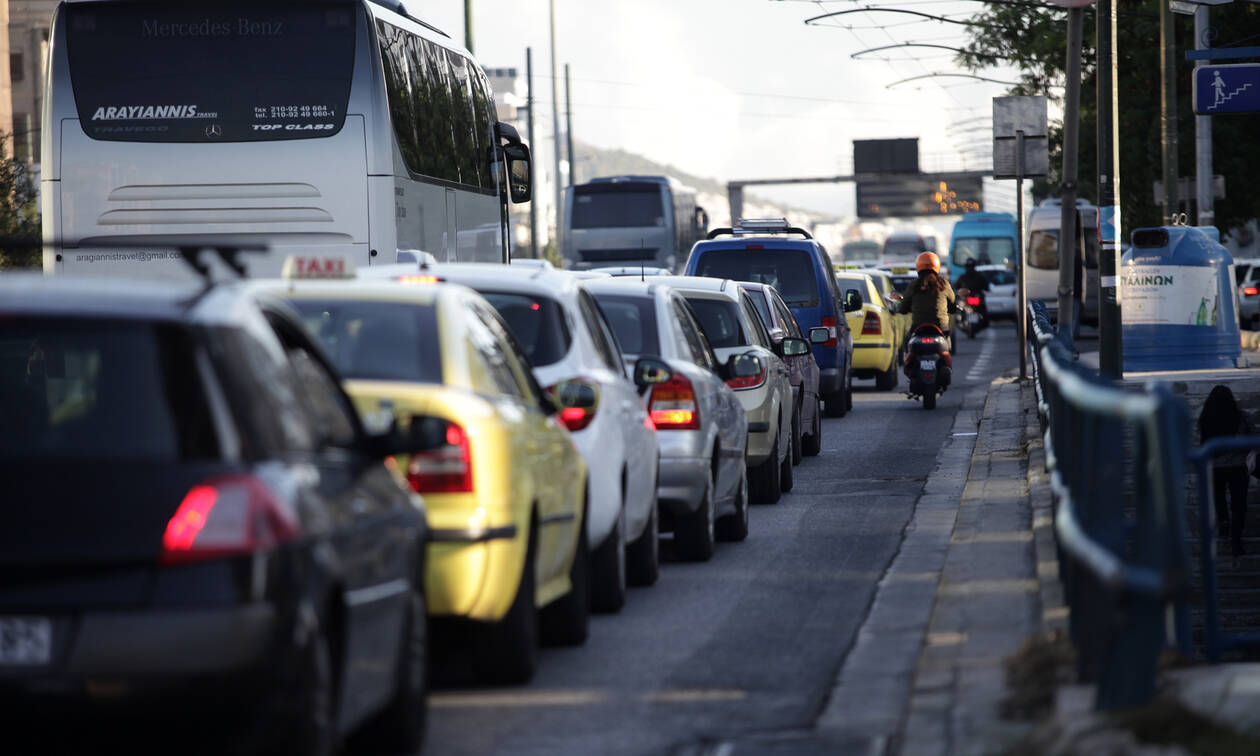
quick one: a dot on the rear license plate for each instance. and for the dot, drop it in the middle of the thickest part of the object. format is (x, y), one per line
(927, 364)
(25, 641)
(973, 317)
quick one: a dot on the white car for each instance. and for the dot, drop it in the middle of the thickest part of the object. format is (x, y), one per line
(1000, 298)
(701, 429)
(575, 356)
(729, 319)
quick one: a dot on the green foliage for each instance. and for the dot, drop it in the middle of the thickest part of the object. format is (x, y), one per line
(1036, 41)
(19, 213)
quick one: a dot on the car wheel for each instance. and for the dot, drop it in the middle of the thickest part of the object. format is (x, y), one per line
(785, 473)
(694, 534)
(835, 404)
(400, 727)
(848, 391)
(734, 527)
(507, 651)
(887, 380)
(796, 437)
(643, 556)
(766, 486)
(608, 570)
(811, 445)
(566, 621)
(307, 711)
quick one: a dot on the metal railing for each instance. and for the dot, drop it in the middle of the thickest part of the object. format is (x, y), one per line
(1216, 640)
(1117, 468)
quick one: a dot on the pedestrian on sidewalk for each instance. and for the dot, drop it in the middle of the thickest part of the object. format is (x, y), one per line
(1221, 416)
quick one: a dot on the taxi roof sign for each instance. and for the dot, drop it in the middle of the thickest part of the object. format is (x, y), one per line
(302, 267)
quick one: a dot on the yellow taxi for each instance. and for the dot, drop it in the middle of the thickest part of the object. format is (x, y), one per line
(886, 287)
(875, 338)
(503, 485)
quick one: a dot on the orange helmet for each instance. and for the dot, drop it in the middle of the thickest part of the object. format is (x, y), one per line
(928, 260)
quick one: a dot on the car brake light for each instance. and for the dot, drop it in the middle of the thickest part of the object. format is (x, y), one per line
(973, 301)
(755, 246)
(446, 469)
(227, 516)
(750, 381)
(927, 340)
(673, 405)
(871, 326)
(419, 279)
(1251, 291)
(830, 325)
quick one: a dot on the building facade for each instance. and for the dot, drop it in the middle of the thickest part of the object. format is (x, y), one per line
(28, 23)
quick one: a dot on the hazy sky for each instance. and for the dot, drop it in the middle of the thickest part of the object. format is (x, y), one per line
(742, 88)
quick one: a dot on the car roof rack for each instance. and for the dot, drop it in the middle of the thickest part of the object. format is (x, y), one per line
(751, 226)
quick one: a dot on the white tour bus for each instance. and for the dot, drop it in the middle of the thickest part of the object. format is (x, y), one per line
(631, 220)
(343, 127)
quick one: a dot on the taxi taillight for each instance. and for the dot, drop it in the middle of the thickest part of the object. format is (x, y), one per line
(973, 301)
(445, 469)
(871, 326)
(673, 405)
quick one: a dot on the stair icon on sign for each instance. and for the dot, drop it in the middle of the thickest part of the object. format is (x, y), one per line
(1221, 96)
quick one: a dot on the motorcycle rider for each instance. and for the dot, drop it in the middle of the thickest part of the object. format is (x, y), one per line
(975, 282)
(929, 300)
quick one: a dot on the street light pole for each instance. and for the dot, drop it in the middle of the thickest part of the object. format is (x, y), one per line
(529, 98)
(1068, 295)
(468, 25)
(1203, 136)
(1110, 347)
(555, 123)
(1168, 108)
(568, 127)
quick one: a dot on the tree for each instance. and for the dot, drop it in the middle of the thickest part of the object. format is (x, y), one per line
(1035, 39)
(19, 213)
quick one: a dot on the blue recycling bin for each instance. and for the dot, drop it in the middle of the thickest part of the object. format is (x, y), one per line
(1177, 301)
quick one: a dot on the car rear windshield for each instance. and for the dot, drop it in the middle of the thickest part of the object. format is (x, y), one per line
(75, 390)
(376, 341)
(231, 71)
(536, 322)
(622, 205)
(791, 271)
(719, 319)
(763, 308)
(633, 320)
(897, 251)
(994, 250)
(857, 284)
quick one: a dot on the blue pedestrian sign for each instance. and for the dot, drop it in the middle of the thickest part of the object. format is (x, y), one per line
(1231, 88)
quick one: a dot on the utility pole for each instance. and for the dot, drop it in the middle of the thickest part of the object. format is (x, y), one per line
(1068, 296)
(555, 123)
(529, 100)
(1168, 108)
(1203, 136)
(1110, 346)
(468, 25)
(568, 126)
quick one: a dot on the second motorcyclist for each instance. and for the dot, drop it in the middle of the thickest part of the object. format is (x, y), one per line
(975, 282)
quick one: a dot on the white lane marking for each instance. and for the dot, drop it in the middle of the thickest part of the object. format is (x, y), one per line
(981, 364)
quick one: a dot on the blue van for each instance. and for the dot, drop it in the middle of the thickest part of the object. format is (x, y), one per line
(759, 252)
(987, 238)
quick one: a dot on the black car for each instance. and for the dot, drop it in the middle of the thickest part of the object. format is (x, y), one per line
(193, 519)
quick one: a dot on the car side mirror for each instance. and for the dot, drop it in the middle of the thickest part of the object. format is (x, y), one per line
(819, 335)
(651, 371)
(894, 297)
(744, 365)
(852, 301)
(794, 347)
(520, 185)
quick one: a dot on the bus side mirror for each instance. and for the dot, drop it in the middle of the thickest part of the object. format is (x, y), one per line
(520, 186)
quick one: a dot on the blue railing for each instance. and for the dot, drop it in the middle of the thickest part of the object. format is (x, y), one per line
(1216, 640)
(1117, 468)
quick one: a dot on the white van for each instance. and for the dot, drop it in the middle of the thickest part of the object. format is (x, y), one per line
(1042, 277)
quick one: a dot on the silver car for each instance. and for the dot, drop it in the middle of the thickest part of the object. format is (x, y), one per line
(701, 428)
(729, 319)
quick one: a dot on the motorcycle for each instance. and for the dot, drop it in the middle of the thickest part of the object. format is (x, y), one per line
(971, 312)
(929, 365)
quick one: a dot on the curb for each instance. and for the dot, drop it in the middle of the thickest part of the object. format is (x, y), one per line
(871, 694)
(1054, 613)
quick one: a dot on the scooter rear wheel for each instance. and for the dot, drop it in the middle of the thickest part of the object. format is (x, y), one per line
(929, 400)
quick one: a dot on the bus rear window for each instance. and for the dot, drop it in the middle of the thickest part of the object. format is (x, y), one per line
(618, 206)
(235, 71)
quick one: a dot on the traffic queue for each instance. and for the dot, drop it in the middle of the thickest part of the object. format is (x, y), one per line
(318, 483)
